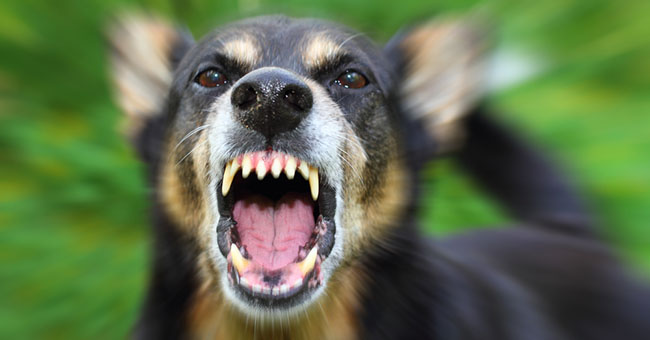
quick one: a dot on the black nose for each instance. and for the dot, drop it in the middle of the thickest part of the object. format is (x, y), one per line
(271, 100)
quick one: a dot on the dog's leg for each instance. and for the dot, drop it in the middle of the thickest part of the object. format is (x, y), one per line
(517, 175)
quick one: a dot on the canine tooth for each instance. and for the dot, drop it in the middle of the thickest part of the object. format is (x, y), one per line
(290, 167)
(284, 289)
(303, 169)
(297, 284)
(313, 182)
(257, 288)
(244, 282)
(234, 167)
(276, 168)
(308, 263)
(227, 179)
(260, 170)
(238, 260)
(276, 291)
(246, 166)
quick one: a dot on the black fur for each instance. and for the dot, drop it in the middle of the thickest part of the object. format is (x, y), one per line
(172, 283)
(528, 185)
(546, 278)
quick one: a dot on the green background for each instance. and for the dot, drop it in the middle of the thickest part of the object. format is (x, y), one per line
(74, 243)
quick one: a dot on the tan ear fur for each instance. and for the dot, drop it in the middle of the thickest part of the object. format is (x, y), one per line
(444, 65)
(141, 67)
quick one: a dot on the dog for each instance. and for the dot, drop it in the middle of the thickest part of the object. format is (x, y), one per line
(284, 155)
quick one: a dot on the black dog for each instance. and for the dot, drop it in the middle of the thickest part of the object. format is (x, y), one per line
(285, 153)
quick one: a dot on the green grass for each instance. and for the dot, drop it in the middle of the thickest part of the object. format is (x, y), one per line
(73, 202)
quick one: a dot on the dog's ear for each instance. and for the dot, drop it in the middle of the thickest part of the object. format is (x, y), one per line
(440, 72)
(144, 52)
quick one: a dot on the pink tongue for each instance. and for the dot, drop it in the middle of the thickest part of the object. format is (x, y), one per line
(273, 234)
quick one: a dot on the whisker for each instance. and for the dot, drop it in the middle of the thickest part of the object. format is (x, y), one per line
(194, 148)
(323, 314)
(191, 133)
(348, 39)
(354, 170)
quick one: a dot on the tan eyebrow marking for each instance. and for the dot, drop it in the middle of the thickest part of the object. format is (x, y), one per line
(320, 50)
(244, 50)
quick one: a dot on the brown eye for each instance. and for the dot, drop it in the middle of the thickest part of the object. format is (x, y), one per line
(351, 80)
(211, 78)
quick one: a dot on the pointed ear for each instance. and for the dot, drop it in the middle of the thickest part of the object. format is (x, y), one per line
(441, 70)
(144, 52)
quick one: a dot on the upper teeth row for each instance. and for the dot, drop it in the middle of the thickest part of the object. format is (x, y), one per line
(276, 163)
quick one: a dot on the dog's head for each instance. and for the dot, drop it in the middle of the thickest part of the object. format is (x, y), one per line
(279, 145)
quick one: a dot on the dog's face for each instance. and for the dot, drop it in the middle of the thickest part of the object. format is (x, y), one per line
(282, 153)
(281, 129)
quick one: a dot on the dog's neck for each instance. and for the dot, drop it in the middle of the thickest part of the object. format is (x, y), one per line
(333, 316)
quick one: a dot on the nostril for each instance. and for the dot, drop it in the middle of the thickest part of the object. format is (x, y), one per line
(244, 96)
(291, 97)
(298, 97)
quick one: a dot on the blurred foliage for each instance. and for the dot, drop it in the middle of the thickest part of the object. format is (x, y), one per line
(73, 201)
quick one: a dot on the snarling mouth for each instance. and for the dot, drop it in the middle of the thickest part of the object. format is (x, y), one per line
(276, 226)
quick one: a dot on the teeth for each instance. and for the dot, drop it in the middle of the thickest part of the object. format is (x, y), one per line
(227, 179)
(290, 167)
(308, 172)
(308, 263)
(313, 182)
(303, 169)
(234, 167)
(297, 284)
(238, 260)
(260, 170)
(246, 166)
(276, 168)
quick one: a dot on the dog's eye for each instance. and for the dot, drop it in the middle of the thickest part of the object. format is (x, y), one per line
(211, 78)
(351, 80)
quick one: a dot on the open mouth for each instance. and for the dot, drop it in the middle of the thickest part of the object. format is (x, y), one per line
(276, 226)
